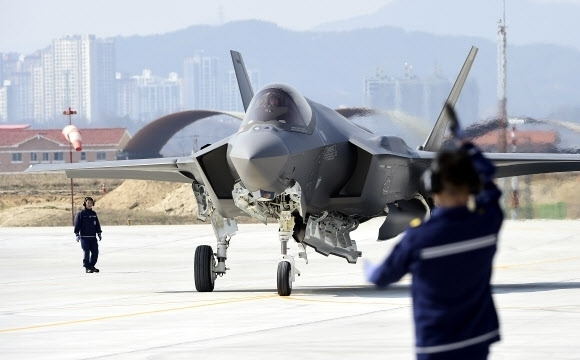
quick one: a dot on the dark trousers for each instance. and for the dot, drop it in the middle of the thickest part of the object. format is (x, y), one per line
(91, 249)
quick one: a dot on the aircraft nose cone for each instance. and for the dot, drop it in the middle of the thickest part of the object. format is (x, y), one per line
(259, 158)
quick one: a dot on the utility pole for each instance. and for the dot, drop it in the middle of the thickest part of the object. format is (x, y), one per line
(502, 116)
(70, 112)
(501, 83)
(501, 96)
(515, 195)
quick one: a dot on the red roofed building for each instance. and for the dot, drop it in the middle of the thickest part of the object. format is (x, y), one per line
(525, 141)
(21, 146)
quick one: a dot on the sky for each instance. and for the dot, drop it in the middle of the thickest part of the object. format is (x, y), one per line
(29, 25)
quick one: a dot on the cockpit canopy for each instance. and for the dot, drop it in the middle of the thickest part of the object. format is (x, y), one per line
(281, 106)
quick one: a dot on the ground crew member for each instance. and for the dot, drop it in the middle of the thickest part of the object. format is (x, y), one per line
(450, 258)
(87, 228)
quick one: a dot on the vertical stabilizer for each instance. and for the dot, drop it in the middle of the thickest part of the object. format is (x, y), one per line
(243, 80)
(435, 139)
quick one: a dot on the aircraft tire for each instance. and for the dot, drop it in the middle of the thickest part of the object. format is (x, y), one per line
(284, 281)
(202, 268)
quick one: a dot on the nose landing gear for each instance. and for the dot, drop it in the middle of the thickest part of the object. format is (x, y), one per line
(287, 270)
(285, 278)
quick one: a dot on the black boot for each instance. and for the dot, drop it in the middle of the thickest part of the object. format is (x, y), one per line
(89, 270)
(94, 269)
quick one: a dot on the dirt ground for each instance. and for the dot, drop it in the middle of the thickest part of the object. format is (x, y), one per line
(44, 199)
(551, 189)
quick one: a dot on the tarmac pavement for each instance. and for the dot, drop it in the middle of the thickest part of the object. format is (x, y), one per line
(143, 303)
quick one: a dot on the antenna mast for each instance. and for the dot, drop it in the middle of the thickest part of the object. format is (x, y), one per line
(502, 114)
(501, 83)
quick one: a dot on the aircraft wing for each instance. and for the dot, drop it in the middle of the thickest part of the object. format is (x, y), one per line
(175, 169)
(516, 164)
(208, 167)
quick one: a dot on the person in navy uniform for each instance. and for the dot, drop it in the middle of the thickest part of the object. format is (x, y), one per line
(87, 228)
(450, 257)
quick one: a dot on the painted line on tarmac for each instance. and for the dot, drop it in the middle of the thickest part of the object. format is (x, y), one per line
(295, 298)
(535, 263)
(571, 309)
(137, 313)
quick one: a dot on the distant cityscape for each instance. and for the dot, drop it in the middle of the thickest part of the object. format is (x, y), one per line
(79, 71)
(421, 98)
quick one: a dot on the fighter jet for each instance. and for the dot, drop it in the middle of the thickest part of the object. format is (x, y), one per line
(310, 169)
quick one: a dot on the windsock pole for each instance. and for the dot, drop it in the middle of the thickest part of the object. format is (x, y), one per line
(72, 134)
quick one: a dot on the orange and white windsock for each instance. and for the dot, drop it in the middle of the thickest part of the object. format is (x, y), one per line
(72, 134)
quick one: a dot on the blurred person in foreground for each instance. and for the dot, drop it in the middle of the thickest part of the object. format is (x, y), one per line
(450, 256)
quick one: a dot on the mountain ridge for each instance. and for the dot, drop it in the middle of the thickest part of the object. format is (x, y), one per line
(330, 67)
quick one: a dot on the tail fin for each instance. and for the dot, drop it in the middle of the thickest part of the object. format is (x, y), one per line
(243, 79)
(435, 139)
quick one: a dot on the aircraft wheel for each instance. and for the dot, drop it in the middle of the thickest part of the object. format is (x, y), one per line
(284, 281)
(203, 268)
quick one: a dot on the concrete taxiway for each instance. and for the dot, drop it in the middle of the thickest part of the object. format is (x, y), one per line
(143, 303)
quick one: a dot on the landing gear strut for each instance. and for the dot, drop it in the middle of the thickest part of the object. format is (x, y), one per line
(205, 267)
(287, 270)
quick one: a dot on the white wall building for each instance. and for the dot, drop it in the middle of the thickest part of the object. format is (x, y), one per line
(232, 98)
(202, 88)
(76, 71)
(83, 77)
(146, 97)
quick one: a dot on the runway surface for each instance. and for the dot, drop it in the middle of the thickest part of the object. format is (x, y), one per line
(143, 303)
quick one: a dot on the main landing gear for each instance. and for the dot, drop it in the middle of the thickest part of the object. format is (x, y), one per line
(204, 264)
(205, 267)
(208, 266)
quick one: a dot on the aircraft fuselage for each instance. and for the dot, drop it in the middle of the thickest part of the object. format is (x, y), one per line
(338, 165)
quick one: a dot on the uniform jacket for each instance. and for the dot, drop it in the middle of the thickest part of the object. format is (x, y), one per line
(87, 224)
(450, 258)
